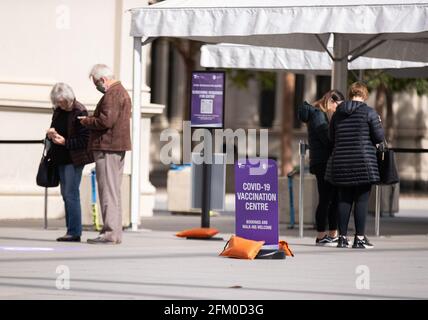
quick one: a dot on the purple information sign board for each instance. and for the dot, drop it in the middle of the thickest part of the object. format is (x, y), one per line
(207, 100)
(256, 201)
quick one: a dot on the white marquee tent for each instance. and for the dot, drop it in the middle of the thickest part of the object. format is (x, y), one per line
(393, 29)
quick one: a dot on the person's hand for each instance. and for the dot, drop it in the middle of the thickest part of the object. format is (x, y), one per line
(58, 139)
(82, 120)
(51, 132)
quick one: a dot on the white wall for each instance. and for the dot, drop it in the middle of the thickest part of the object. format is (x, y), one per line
(411, 131)
(48, 41)
(43, 42)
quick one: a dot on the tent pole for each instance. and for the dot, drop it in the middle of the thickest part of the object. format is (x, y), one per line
(136, 129)
(377, 210)
(339, 73)
(302, 153)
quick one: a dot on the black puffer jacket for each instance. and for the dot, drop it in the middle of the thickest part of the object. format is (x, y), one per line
(355, 129)
(319, 144)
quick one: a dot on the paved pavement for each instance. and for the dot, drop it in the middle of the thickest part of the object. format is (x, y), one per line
(410, 222)
(154, 264)
(157, 265)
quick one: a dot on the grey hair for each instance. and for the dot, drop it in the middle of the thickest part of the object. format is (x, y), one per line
(62, 91)
(99, 71)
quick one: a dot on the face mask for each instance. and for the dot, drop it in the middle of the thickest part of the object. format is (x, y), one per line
(100, 88)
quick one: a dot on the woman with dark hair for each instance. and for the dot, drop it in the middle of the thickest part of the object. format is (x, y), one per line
(355, 129)
(317, 117)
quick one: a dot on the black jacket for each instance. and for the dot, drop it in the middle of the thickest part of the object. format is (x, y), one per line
(319, 144)
(355, 129)
(78, 135)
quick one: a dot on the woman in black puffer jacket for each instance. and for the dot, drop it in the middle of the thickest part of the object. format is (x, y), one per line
(317, 119)
(355, 129)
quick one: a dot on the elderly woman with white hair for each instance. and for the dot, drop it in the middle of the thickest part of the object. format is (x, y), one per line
(69, 153)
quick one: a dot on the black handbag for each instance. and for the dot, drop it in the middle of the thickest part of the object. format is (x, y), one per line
(47, 175)
(388, 172)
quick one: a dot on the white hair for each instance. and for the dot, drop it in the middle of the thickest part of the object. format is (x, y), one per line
(99, 71)
(62, 91)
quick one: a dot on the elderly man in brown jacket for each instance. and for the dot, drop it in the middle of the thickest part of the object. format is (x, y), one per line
(109, 140)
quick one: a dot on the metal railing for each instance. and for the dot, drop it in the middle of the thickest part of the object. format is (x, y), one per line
(378, 193)
(46, 189)
(21, 141)
(302, 152)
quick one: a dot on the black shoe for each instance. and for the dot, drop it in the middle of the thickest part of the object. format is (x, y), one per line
(68, 238)
(362, 243)
(342, 242)
(326, 241)
(101, 240)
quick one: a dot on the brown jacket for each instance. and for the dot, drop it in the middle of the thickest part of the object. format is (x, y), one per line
(110, 124)
(78, 135)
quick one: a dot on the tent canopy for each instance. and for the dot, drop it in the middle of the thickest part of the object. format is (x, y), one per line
(268, 58)
(387, 29)
(228, 17)
(297, 24)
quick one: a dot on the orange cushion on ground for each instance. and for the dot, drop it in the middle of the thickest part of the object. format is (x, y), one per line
(283, 245)
(241, 248)
(197, 233)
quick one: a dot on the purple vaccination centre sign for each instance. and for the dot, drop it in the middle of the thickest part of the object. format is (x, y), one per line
(207, 99)
(256, 201)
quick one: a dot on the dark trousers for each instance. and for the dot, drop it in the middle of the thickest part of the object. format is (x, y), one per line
(327, 204)
(347, 196)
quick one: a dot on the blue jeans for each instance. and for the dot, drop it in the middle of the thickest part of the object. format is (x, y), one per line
(69, 178)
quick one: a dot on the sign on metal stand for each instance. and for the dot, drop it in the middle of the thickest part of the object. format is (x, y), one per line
(256, 204)
(207, 111)
(207, 99)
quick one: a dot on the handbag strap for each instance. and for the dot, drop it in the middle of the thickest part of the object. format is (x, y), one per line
(385, 142)
(383, 146)
(45, 146)
(225, 246)
(227, 243)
